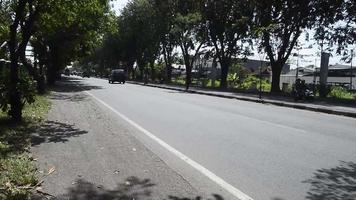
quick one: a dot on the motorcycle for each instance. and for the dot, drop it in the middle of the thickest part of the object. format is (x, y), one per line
(301, 92)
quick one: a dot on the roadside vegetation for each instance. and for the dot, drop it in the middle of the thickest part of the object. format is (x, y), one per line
(18, 173)
(341, 93)
(58, 32)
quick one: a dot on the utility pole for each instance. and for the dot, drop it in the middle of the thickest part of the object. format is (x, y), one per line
(314, 78)
(324, 71)
(261, 62)
(297, 73)
(260, 94)
(351, 74)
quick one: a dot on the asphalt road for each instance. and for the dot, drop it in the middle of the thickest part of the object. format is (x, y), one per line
(267, 152)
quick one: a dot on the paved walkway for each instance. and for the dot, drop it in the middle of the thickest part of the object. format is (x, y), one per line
(317, 106)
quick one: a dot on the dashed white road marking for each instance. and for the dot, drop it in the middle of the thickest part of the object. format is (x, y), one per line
(225, 185)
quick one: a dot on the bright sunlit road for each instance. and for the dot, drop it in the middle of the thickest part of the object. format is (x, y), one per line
(267, 152)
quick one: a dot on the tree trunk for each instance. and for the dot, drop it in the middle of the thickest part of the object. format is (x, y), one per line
(188, 72)
(15, 111)
(51, 74)
(225, 65)
(276, 74)
(130, 70)
(168, 61)
(41, 82)
(153, 72)
(145, 71)
(15, 100)
(142, 68)
(168, 73)
(53, 66)
(142, 74)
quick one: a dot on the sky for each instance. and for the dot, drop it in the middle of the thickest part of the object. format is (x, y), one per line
(118, 5)
(308, 55)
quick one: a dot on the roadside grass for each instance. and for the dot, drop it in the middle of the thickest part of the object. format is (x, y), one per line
(341, 93)
(251, 83)
(178, 81)
(17, 168)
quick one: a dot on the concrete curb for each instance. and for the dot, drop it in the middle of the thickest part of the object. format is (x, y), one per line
(277, 103)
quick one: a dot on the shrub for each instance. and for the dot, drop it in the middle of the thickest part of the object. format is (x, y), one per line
(341, 93)
(237, 74)
(253, 82)
(26, 86)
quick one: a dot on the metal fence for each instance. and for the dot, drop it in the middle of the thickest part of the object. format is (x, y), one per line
(335, 81)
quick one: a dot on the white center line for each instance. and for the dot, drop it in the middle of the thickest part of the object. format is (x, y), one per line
(225, 185)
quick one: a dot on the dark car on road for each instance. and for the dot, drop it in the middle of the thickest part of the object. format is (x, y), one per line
(86, 74)
(117, 75)
(67, 72)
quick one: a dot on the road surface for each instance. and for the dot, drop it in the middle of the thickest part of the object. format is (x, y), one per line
(266, 152)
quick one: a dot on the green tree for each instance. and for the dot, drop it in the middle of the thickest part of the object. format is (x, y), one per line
(63, 30)
(105, 55)
(69, 30)
(23, 15)
(165, 11)
(188, 30)
(5, 20)
(338, 27)
(279, 24)
(140, 25)
(228, 22)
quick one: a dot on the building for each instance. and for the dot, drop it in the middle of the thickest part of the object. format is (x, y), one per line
(251, 65)
(254, 66)
(339, 70)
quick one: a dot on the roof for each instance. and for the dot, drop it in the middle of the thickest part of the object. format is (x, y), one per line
(118, 70)
(339, 66)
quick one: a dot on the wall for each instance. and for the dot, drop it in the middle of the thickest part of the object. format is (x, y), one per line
(310, 79)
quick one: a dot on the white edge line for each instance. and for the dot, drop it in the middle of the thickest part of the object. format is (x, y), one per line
(228, 187)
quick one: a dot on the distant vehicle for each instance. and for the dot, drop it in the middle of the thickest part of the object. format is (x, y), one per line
(117, 75)
(86, 75)
(302, 92)
(67, 72)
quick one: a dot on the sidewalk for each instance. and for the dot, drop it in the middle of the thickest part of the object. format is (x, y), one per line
(83, 152)
(323, 107)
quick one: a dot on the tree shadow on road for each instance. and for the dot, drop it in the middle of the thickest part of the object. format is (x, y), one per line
(78, 97)
(132, 188)
(215, 197)
(338, 183)
(55, 132)
(70, 85)
(177, 92)
(70, 89)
